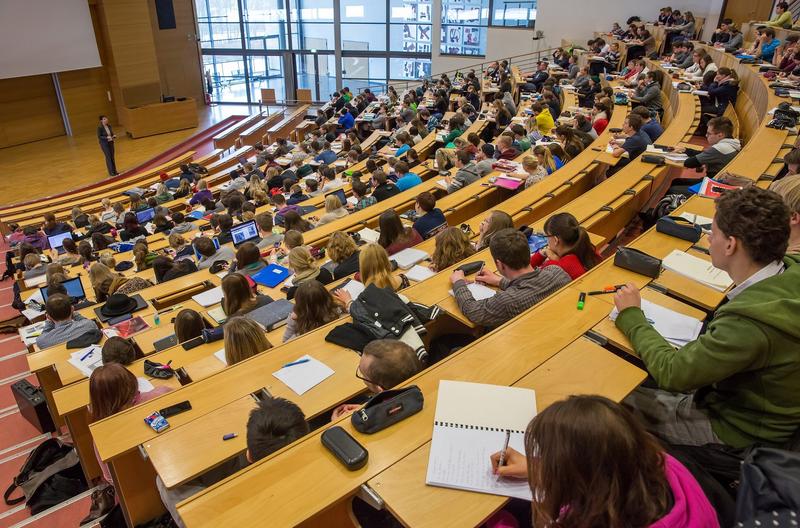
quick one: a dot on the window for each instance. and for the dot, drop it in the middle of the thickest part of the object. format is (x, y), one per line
(264, 24)
(509, 13)
(464, 27)
(406, 69)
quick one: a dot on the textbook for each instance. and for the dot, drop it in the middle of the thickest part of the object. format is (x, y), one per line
(272, 275)
(697, 269)
(369, 235)
(470, 424)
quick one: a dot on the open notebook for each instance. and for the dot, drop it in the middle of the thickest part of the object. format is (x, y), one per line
(697, 269)
(470, 425)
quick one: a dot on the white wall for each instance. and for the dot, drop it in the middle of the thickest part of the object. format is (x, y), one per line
(575, 20)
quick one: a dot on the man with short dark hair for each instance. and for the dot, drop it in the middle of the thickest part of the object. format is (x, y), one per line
(430, 219)
(737, 383)
(273, 424)
(534, 82)
(520, 285)
(381, 187)
(467, 172)
(225, 223)
(209, 253)
(722, 148)
(633, 141)
(63, 324)
(650, 126)
(384, 364)
(265, 226)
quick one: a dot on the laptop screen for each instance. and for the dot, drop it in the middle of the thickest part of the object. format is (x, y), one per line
(145, 216)
(339, 193)
(197, 254)
(243, 232)
(56, 241)
(74, 289)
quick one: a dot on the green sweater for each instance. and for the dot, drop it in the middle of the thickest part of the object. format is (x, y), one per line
(783, 20)
(745, 367)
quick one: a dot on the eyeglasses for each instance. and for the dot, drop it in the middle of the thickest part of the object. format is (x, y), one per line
(365, 379)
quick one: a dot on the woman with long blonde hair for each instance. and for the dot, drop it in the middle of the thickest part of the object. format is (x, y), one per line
(452, 245)
(333, 210)
(305, 268)
(375, 268)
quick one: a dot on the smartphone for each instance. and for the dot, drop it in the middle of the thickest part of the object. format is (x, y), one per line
(183, 377)
(178, 408)
(345, 448)
(157, 422)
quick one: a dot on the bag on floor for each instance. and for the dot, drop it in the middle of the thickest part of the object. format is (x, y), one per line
(51, 474)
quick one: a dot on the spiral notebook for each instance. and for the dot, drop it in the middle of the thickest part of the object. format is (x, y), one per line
(470, 424)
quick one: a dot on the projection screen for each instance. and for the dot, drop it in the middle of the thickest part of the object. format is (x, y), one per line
(46, 36)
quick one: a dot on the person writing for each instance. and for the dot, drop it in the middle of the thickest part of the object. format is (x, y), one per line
(736, 384)
(568, 246)
(106, 137)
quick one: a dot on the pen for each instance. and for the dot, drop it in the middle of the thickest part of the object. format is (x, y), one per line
(502, 461)
(86, 355)
(170, 309)
(607, 289)
(293, 363)
(229, 436)
(581, 300)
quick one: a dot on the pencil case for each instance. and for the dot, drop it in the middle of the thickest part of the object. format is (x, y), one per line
(679, 227)
(387, 408)
(637, 262)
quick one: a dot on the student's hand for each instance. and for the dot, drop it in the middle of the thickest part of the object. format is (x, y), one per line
(679, 150)
(628, 297)
(516, 464)
(344, 410)
(343, 296)
(456, 276)
(487, 277)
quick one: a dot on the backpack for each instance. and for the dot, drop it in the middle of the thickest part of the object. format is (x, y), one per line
(51, 474)
(664, 207)
(769, 485)
(620, 98)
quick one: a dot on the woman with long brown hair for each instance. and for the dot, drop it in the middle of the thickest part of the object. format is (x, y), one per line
(452, 245)
(394, 236)
(314, 306)
(589, 462)
(244, 338)
(238, 298)
(568, 246)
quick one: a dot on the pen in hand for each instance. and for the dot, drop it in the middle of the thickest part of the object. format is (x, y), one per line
(502, 461)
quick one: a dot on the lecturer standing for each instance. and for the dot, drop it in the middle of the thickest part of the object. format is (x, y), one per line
(106, 137)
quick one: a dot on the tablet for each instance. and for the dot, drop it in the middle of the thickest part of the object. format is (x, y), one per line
(244, 232)
(74, 289)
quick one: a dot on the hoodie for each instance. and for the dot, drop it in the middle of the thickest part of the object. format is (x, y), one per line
(690, 508)
(714, 157)
(466, 175)
(745, 368)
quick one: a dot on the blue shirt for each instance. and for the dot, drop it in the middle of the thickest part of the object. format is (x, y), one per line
(653, 129)
(768, 49)
(408, 181)
(430, 223)
(402, 150)
(347, 121)
(326, 156)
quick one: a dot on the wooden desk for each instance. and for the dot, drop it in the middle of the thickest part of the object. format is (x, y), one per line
(582, 367)
(152, 119)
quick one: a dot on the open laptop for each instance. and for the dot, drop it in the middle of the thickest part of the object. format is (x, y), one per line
(197, 254)
(145, 216)
(244, 232)
(339, 193)
(74, 290)
(57, 241)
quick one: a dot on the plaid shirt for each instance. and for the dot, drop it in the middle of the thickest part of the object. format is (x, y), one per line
(366, 201)
(515, 296)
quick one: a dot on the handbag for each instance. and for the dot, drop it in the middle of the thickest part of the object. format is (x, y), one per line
(387, 408)
(679, 227)
(654, 159)
(638, 262)
(157, 370)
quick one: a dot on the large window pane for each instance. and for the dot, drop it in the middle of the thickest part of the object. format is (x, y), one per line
(227, 77)
(363, 68)
(405, 69)
(218, 22)
(266, 72)
(514, 13)
(308, 36)
(364, 37)
(464, 25)
(309, 71)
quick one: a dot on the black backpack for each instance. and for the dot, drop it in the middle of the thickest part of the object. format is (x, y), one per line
(51, 474)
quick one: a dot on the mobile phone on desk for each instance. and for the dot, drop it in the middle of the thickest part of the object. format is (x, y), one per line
(183, 377)
(178, 408)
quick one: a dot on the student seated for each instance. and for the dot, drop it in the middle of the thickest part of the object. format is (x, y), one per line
(736, 384)
(188, 325)
(34, 267)
(495, 221)
(788, 188)
(722, 148)
(568, 246)
(333, 210)
(180, 248)
(305, 268)
(467, 172)
(118, 350)
(546, 159)
(131, 228)
(632, 141)
(648, 93)
(579, 451)
(343, 252)
(363, 199)
(452, 246)
(273, 424)
(167, 269)
(430, 219)
(244, 338)
(384, 364)
(210, 254)
(375, 268)
(650, 126)
(314, 306)
(394, 236)
(238, 298)
(248, 260)
(505, 149)
(520, 285)
(63, 324)
(106, 282)
(265, 225)
(51, 227)
(112, 389)
(405, 178)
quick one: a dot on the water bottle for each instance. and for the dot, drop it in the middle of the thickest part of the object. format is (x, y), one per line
(157, 319)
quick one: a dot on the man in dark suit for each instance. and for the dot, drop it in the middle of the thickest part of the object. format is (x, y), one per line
(106, 137)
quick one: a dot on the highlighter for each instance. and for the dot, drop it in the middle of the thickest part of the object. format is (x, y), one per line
(581, 300)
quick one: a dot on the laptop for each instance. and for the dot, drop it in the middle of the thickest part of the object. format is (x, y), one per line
(244, 232)
(74, 290)
(57, 241)
(339, 193)
(197, 254)
(145, 216)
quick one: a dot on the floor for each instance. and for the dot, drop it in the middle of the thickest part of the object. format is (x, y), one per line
(60, 164)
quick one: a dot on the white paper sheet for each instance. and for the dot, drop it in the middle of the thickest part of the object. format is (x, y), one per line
(144, 385)
(209, 297)
(419, 273)
(220, 355)
(304, 376)
(479, 291)
(87, 359)
(673, 326)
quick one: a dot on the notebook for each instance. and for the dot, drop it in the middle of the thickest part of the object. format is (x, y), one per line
(697, 269)
(369, 235)
(419, 273)
(470, 425)
(479, 291)
(271, 276)
(676, 328)
(508, 182)
(408, 257)
(208, 297)
(218, 314)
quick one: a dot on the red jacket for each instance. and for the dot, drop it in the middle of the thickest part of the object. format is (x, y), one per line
(569, 263)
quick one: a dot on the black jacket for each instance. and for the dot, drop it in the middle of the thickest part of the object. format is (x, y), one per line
(722, 95)
(101, 134)
(346, 267)
(384, 191)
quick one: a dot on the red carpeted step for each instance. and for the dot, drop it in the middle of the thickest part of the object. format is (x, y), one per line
(67, 516)
(7, 397)
(13, 365)
(14, 428)
(10, 344)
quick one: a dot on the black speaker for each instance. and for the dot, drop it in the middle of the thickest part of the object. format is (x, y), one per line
(33, 406)
(165, 12)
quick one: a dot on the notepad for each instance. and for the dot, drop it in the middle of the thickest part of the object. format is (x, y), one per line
(676, 328)
(218, 314)
(442, 183)
(369, 235)
(220, 355)
(479, 291)
(304, 376)
(470, 424)
(209, 297)
(408, 257)
(144, 385)
(419, 273)
(702, 221)
(697, 269)
(87, 359)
